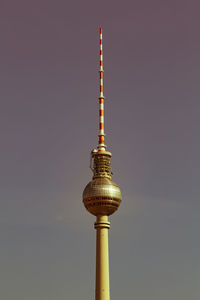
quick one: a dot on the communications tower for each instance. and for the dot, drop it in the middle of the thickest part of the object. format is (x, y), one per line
(101, 197)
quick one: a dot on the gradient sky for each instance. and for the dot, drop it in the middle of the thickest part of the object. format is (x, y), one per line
(48, 125)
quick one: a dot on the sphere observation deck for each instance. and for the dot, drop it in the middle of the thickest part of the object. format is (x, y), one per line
(101, 196)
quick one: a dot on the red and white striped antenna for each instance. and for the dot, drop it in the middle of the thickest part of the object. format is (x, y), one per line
(101, 145)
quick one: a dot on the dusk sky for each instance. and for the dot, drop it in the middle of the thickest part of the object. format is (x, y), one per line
(49, 58)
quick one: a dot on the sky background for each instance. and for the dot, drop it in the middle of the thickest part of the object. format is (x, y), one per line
(49, 123)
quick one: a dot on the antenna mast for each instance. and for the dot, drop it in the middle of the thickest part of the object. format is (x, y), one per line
(101, 145)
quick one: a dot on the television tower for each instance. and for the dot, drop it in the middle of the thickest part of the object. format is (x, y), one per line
(101, 197)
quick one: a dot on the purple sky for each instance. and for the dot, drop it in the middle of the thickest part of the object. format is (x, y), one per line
(49, 123)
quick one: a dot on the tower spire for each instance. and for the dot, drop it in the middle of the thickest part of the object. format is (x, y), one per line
(101, 145)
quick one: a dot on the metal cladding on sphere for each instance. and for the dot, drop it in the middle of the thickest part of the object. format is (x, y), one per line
(102, 196)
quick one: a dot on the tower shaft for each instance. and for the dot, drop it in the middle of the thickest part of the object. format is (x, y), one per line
(102, 290)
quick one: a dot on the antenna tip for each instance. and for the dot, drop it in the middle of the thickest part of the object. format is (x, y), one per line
(100, 30)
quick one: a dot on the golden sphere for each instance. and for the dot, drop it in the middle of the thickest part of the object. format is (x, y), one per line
(101, 196)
